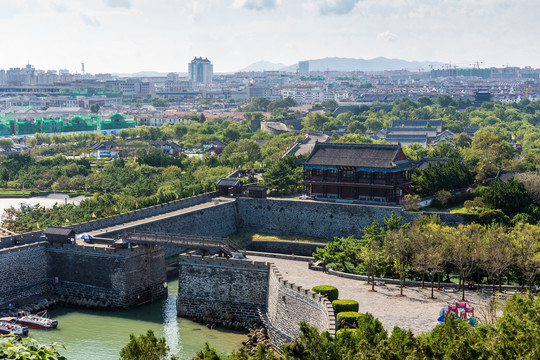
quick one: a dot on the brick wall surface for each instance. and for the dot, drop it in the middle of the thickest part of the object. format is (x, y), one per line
(289, 304)
(23, 272)
(314, 218)
(122, 277)
(220, 286)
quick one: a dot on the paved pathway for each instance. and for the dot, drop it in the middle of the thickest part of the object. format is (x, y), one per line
(414, 311)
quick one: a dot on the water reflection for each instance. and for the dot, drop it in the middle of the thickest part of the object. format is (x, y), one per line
(100, 335)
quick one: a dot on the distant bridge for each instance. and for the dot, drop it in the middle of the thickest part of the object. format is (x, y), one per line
(208, 243)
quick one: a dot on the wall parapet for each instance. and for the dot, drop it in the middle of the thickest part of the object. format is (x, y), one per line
(34, 236)
(289, 304)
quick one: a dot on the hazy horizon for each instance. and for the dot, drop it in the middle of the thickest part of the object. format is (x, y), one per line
(128, 36)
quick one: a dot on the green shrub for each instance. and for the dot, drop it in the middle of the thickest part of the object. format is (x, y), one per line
(345, 305)
(330, 291)
(342, 331)
(348, 316)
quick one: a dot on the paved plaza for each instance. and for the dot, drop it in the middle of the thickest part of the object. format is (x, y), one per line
(413, 311)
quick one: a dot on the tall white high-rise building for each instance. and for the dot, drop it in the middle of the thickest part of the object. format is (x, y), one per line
(200, 70)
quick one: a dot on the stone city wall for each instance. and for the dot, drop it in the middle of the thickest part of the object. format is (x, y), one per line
(284, 247)
(31, 237)
(23, 272)
(118, 277)
(217, 221)
(217, 287)
(289, 304)
(319, 219)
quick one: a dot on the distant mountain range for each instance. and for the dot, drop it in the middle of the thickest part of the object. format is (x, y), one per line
(348, 64)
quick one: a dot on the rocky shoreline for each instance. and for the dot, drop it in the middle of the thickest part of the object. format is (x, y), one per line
(47, 303)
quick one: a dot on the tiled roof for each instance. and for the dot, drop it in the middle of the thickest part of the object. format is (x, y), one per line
(357, 155)
(228, 182)
(59, 231)
(104, 145)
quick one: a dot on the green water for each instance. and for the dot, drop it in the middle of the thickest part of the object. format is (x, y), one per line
(100, 335)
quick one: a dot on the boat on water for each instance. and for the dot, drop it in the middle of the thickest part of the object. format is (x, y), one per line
(9, 326)
(38, 321)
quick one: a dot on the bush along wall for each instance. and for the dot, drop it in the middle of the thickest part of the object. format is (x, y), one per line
(348, 318)
(345, 305)
(330, 291)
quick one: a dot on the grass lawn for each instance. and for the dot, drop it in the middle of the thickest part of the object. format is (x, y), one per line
(463, 210)
(243, 238)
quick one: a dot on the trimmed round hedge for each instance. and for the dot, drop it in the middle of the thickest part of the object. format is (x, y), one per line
(348, 316)
(345, 305)
(330, 291)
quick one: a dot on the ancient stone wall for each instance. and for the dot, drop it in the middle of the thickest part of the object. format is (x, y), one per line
(218, 220)
(23, 272)
(251, 291)
(31, 237)
(118, 277)
(289, 304)
(284, 247)
(318, 219)
(217, 287)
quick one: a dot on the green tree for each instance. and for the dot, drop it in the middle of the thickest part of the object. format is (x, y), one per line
(146, 347)
(242, 152)
(314, 121)
(510, 196)
(340, 253)
(428, 249)
(94, 108)
(398, 247)
(518, 336)
(329, 103)
(464, 244)
(496, 253)
(18, 348)
(462, 140)
(285, 175)
(445, 101)
(6, 143)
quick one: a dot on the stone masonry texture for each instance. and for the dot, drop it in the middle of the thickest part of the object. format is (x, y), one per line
(247, 289)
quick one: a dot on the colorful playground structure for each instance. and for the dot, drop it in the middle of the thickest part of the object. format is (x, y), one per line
(461, 311)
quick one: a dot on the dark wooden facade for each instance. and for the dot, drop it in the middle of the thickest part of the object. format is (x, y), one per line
(366, 172)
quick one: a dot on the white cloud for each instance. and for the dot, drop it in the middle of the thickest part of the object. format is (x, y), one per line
(387, 36)
(89, 21)
(60, 7)
(258, 5)
(119, 3)
(336, 7)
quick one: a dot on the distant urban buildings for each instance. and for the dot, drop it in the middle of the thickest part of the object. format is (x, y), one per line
(200, 70)
(303, 67)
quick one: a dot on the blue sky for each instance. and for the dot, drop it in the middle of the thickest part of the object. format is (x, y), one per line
(164, 35)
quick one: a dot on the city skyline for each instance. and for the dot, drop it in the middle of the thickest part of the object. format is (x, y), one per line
(125, 36)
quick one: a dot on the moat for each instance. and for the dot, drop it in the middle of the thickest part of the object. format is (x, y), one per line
(100, 335)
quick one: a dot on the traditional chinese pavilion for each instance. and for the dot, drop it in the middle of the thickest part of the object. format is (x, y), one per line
(367, 172)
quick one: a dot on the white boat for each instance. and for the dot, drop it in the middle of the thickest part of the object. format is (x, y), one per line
(38, 321)
(11, 327)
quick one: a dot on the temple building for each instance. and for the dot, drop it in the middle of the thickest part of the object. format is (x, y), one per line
(366, 172)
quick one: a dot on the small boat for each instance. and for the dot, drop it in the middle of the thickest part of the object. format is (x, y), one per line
(11, 327)
(38, 321)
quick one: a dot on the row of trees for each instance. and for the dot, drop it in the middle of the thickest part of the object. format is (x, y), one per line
(428, 248)
(512, 336)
